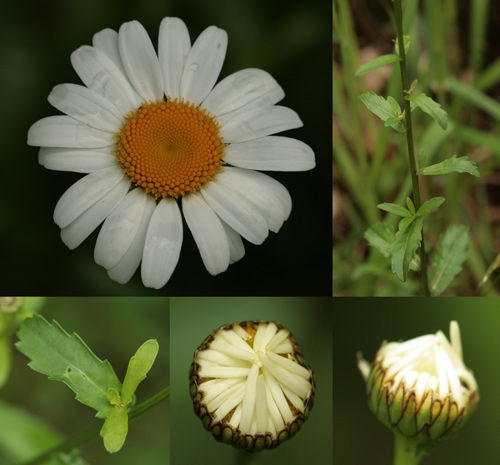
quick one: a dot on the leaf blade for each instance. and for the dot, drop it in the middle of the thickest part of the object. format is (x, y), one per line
(376, 63)
(381, 108)
(430, 205)
(452, 252)
(394, 208)
(403, 250)
(429, 106)
(381, 236)
(66, 358)
(115, 429)
(450, 165)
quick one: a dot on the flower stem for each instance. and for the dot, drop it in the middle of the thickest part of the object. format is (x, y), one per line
(407, 451)
(85, 436)
(409, 138)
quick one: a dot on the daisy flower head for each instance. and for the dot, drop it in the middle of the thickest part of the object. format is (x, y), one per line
(421, 388)
(250, 385)
(158, 139)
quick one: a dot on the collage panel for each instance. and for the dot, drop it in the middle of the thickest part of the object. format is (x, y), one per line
(192, 322)
(166, 143)
(72, 387)
(414, 381)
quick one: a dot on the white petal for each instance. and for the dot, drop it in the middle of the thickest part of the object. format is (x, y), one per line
(77, 231)
(271, 153)
(126, 267)
(100, 73)
(268, 195)
(236, 246)
(163, 244)
(120, 228)
(203, 64)
(237, 212)
(107, 42)
(140, 61)
(77, 160)
(86, 106)
(84, 193)
(258, 122)
(173, 48)
(239, 89)
(64, 131)
(208, 233)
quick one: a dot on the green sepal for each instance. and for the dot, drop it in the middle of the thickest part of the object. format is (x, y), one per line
(138, 367)
(115, 429)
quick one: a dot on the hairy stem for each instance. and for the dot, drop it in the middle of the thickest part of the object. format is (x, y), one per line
(409, 139)
(85, 436)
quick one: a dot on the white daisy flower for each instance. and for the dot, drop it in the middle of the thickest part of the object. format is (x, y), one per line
(421, 388)
(153, 132)
(250, 385)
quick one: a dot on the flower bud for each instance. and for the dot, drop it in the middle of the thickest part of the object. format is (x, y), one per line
(250, 385)
(421, 388)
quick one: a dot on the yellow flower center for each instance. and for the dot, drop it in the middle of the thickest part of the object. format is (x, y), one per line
(169, 148)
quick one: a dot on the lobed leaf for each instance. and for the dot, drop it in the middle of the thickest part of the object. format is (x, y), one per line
(403, 250)
(394, 208)
(376, 63)
(430, 107)
(381, 236)
(453, 164)
(382, 108)
(451, 254)
(430, 205)
(66, 358)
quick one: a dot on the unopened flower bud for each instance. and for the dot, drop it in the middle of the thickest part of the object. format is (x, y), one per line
(421, 388)
(250, 385)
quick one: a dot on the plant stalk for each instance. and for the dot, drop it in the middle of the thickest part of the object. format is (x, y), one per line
(85, 436)
(406, 451)
(409, 138)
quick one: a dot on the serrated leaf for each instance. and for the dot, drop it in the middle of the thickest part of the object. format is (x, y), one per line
(66, 358)
(406, 42)
(394, 208)
(381, 236)
(411, 207)
(453, 164)
(382, 108)
(403, 250)
(430, 107)
(430, 205)
(394, 105)
(138, 368)
(115, 429)
(376, 63)
(451, 254)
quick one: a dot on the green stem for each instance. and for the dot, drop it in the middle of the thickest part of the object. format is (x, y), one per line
(407, 451)
(85, 436)
(409, 138)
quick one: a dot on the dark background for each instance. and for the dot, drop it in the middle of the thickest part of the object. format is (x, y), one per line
(291, 40)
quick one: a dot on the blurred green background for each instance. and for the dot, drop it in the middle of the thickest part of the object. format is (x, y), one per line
(309, 320)
(362, 325)
(291, 40)
(113, 328)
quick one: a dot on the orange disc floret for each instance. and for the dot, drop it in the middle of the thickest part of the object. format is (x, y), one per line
(169, 148)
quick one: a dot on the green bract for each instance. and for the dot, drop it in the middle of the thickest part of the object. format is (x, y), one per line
(421, 388)
(250, 385)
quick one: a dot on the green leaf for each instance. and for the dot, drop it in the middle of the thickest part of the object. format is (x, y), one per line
(452, 252)
(115, 429)
(377, 63)
(406, 42)
(381, 236)
(410, 205)
(66, 358)
(430, 107)
(394, 105)
(430, 205)
(422, 159)
(413, 85)
(5, 359)
(403, 250)
(405, 222)
(390, 122)
(113, 397)
(138, 368)
(453, 164)
(394, 208)
(382, 108)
